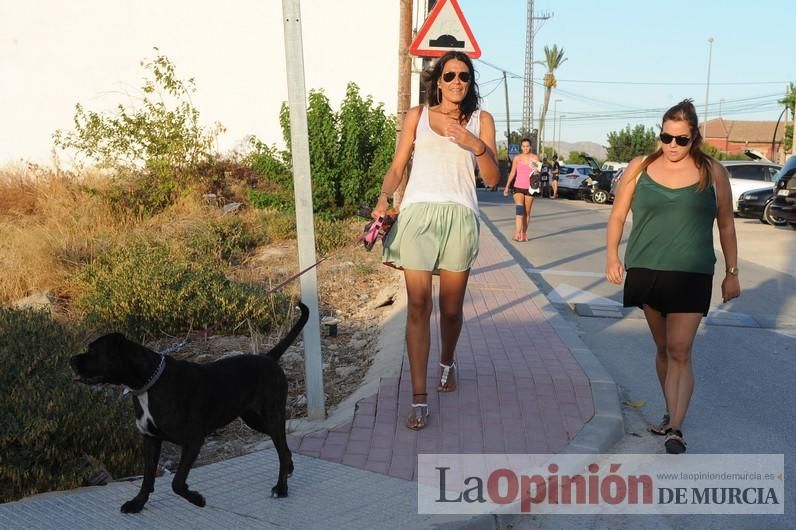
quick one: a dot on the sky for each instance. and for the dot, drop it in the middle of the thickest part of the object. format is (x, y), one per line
(627, 61)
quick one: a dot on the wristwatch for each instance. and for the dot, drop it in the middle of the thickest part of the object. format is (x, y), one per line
(732, 270)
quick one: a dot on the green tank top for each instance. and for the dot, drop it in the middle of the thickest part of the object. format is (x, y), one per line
(672, 228)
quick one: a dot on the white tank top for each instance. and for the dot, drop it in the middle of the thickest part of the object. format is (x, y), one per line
(441, 170)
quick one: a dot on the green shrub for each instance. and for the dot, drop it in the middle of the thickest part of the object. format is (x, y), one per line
(225, 239)
(278, 225)
(143, 289)
(279, 200)
(47, 421)
(331, 235)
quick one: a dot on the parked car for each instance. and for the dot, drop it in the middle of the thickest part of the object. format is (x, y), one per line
(748, 175)
(571, 177)
(757, 205)
(784, 205)
(613, 166)
(617, 178)
(597, 185)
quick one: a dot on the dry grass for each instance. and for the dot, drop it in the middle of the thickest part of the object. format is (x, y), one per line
(48, 225)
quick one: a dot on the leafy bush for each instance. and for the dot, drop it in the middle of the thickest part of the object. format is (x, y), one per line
(271, 163)
(143, 289)
(223, 239)
(47, 421)
(350, 151)
(162, 136)
(331, 235)
(279, 200)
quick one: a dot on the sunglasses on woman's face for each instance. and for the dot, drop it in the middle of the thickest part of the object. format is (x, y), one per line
(464, 77)
(681, 140)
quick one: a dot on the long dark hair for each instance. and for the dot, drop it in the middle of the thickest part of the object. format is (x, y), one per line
(431, 79)
(685, 111)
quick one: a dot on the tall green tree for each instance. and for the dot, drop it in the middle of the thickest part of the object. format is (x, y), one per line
(554, 58)
(627, 143)
(789, 101)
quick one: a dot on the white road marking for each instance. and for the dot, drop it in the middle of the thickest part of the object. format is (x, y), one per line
(561, 272)
(567, 294)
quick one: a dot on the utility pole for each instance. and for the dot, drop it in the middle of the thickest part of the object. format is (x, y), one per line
(404, 82)
(508, 119)
(527, 93)
(707, 90)
(302, 189)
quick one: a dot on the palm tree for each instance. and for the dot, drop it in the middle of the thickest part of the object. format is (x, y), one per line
(553, 59)
(790, 102)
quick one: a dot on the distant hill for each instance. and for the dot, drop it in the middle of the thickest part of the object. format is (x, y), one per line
(590, 148)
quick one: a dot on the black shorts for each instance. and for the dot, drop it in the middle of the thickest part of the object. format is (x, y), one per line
(555, 178)
(526, 192)
(668, 291)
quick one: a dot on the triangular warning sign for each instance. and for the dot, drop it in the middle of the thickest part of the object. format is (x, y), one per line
(445, 29)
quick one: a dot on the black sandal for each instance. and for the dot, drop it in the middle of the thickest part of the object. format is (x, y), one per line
(674, 442)
(663, 427)
(419, 417)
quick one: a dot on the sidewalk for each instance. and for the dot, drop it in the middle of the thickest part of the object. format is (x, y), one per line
(527, 384)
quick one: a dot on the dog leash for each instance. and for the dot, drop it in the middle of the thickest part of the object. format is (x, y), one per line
(291, 278)
(373, 231)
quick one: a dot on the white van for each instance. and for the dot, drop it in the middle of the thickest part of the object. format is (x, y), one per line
(613, 166)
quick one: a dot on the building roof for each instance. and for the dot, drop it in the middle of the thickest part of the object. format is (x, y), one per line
(744, 131)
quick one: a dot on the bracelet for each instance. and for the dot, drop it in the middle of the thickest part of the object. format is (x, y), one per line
(482, 152)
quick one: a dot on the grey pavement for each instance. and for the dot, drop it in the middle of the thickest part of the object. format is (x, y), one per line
(526, 384)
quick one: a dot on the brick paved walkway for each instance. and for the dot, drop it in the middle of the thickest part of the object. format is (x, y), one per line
(520, 390)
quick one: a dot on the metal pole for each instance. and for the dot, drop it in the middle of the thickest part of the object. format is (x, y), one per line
(508, 120)
(707, 90)
(302, 188)
(555, 106)
(559, 137)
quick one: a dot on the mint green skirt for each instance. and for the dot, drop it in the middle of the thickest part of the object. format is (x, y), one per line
(433, 236)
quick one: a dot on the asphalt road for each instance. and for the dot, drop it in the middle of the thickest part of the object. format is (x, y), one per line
(744, 356)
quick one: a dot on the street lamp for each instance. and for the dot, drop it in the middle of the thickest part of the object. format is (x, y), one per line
(558, 148)
(555, 104)
(707, 89)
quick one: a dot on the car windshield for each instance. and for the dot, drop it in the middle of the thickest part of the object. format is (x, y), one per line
(566, 170)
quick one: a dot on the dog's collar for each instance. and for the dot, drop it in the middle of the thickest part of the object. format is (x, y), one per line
(153, 379)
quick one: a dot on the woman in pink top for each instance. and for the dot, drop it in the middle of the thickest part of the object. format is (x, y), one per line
(522, 169)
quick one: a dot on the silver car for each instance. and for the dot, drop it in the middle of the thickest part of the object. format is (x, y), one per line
(571, 177)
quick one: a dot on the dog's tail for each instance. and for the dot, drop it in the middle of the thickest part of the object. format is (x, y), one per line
(277, 351)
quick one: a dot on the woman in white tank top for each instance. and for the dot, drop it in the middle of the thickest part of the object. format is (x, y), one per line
(437, 230)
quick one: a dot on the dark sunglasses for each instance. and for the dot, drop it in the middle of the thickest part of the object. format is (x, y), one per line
(464, 77)
(681, 140)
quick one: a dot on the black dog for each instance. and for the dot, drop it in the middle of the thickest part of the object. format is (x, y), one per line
(183, 402)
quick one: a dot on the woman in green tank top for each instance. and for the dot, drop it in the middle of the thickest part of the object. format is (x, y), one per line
(675, 194)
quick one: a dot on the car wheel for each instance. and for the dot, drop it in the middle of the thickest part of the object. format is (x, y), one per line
(600, 196)
(792, 225)
(770, 218)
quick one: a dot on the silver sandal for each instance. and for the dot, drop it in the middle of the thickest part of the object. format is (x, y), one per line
(443, 379)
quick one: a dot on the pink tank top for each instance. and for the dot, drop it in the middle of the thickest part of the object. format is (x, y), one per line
(523, 178)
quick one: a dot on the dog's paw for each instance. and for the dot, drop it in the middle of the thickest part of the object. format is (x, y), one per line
(279, 491)
(195, 498)
(133, 506)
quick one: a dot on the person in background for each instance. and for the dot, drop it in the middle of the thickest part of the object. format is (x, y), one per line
(675, 194)
(522, 170)
(544, 173)
(554, 172)
(437, 229)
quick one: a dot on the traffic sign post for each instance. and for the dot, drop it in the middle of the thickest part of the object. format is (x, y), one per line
(444, 30)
